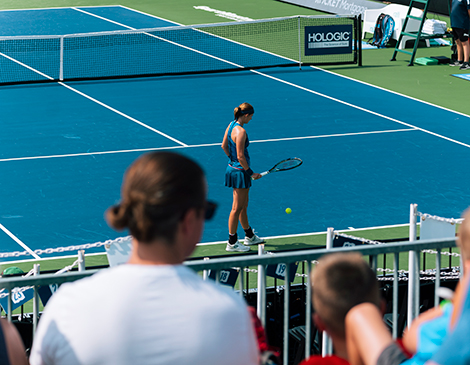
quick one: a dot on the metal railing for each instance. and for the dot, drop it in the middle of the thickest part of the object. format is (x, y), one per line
(261, 261)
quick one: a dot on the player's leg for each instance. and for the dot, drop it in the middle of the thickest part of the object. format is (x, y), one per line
(240, 197)
(250, 236)
(243, 216)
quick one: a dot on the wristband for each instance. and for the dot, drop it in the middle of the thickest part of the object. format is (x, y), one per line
(249, 172)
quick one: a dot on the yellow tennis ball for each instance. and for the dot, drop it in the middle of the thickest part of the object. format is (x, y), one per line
(288, 210)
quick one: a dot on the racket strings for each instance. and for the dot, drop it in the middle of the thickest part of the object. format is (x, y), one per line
(288, 164)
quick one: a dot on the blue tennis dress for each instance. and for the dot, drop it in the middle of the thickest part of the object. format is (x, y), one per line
(235, 175)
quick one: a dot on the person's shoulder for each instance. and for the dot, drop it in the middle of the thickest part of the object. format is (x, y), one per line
(217, 291)
(94, 280)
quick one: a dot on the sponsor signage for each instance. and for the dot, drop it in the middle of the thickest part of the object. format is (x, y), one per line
(328, 39)
(342, 7)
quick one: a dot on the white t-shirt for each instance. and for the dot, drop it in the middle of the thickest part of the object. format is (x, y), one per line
(138, 314)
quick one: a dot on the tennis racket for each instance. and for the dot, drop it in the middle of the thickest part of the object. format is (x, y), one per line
(284, 165)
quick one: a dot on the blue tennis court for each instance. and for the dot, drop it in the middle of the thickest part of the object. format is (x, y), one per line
(368, 153)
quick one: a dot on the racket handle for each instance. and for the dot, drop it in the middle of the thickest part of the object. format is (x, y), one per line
(262, 174)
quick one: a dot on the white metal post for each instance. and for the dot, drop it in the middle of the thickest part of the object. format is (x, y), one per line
(81, 260)
(327, 345)
(261, 298)
(35, 300)
(437, 283)
(395, 295)
(240, 280)
(308, 314)
(286, 314)
(205, 273)
(413, 269)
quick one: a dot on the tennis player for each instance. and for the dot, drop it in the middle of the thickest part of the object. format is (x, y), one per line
(238, 176)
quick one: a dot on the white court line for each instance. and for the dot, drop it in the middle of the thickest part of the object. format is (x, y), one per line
(123, 114)
(323, 70)
(102, 18)
(271, 77)
(198, 145)
(17, 240)
(311, 91)
(360, 108)
(60, 7)
(98, 102)
(391, 91)
(95, 100)
(333, 135)
(150, 15)
(26, 66)
(165, 40)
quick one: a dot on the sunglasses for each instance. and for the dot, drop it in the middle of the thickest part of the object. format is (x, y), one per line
(210, 209)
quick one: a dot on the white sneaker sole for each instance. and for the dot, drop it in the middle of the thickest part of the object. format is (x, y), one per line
(237, 249)
(255, 242)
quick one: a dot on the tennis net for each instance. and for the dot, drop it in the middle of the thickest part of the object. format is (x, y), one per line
(290, 41)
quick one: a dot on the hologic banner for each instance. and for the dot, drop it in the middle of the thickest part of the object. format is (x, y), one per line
(328, 39)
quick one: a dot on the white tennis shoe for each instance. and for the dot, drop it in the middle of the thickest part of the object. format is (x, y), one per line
(255, 240)
(237, 247)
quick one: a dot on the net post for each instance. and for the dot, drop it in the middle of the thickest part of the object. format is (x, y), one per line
(61, 66)
(300, 44)
(359, 39)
